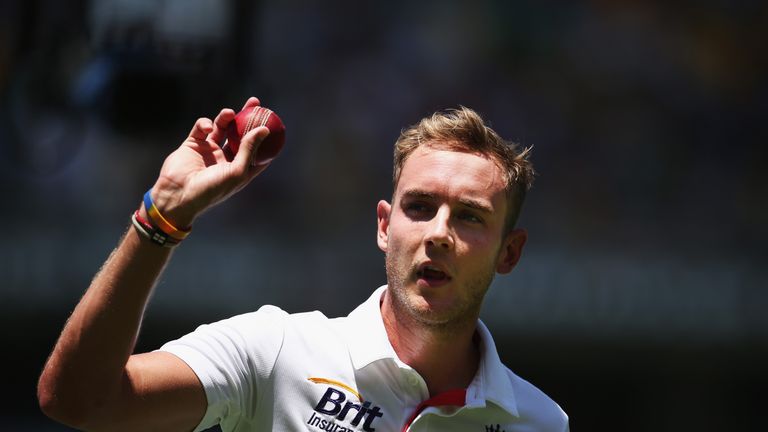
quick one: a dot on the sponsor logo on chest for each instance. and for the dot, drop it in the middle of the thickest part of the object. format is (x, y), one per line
(342, 409)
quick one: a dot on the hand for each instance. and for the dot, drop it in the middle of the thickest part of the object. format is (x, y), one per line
(199, 174)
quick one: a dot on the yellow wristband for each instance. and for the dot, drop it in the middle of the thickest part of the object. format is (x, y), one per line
(161, 222)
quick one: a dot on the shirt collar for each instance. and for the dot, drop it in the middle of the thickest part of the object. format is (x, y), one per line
(368, 342)
(367, 337)
(492, 381)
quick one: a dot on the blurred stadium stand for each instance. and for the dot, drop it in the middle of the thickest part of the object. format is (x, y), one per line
(639, 304)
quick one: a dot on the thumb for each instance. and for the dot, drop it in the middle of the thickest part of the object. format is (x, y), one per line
(249, 146)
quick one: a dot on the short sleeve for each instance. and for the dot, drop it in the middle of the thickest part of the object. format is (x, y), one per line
(233, 358)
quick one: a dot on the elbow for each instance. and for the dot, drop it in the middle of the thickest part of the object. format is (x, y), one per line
(58, 406)
(46, 398)
(73, 405)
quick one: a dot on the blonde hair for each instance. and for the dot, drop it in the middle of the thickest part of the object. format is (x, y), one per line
(463, 130)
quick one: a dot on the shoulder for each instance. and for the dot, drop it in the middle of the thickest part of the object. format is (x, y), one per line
(233, 340)
(265, 324)
(314, 333)
(270, 329)
(535, 405)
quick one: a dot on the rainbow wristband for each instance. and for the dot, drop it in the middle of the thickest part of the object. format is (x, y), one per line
(146, 230)
(162, 223)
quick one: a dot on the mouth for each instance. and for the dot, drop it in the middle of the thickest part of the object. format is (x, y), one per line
(432, 274)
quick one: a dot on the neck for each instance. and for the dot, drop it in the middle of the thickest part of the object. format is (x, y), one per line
(446, 357)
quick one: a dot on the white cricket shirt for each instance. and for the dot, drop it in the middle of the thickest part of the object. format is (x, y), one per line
(271, 371)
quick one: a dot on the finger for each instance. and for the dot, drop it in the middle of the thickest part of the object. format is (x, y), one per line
(220, 124)
(203, 126)
(227, 151)
(252, 172)
(255, 170)
(228, 154)
(248, 147)
(251, 102)
(257, 167)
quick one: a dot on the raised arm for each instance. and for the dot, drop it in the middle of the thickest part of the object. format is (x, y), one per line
(92, 381)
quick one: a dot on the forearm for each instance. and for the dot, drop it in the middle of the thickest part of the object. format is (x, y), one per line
(87, 364)
(91, 381)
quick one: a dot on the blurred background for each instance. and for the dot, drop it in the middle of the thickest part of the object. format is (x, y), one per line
(639, 302)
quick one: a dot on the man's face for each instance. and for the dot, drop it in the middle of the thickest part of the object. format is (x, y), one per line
(444, 237)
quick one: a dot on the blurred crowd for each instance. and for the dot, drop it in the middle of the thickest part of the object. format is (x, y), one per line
(646, 118)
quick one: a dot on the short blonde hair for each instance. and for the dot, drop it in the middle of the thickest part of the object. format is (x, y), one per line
(463, 130)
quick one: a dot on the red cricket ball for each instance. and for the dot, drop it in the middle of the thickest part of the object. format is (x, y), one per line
(251, 118)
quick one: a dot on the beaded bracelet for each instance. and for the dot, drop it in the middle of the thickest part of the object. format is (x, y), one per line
(162, 224)
(146, 230)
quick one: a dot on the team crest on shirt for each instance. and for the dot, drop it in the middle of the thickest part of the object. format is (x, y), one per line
(342, 409)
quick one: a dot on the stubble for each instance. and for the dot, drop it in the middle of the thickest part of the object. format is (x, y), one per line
(406, 305)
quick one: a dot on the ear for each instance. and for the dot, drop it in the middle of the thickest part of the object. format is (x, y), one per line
(383, 210)
(511, 250)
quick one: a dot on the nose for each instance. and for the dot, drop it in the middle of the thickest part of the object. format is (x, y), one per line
(439, 233)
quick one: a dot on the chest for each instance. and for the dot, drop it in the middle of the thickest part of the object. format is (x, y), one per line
(329, 394)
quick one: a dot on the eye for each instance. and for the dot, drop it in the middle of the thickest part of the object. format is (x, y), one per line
(470, 217)
(417, 209)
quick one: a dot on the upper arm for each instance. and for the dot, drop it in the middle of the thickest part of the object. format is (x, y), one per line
(214, 371)
(159, 392)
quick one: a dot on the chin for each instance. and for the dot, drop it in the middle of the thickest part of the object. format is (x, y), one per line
(431, 313)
